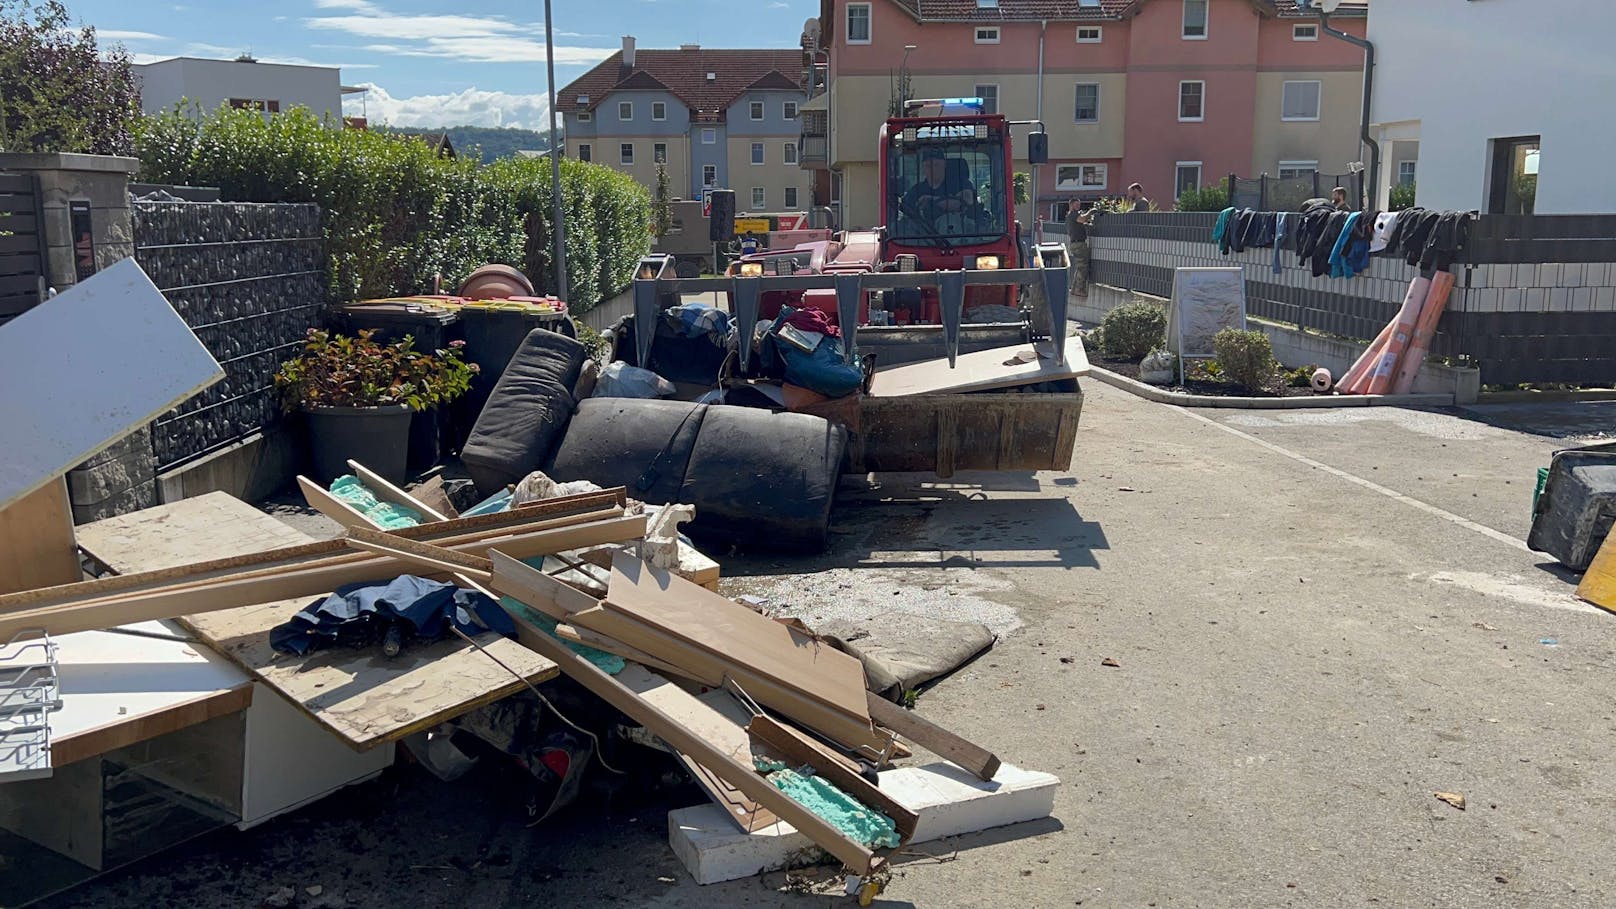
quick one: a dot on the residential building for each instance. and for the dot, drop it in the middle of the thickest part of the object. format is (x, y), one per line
(1166, 93)
(1504, 116)
(716, 118)
(242, 82)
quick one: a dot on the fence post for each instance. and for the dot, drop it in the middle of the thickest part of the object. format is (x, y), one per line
(1262, 192)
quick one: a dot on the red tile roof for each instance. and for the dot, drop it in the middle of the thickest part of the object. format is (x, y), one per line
(1065, 10)
(684, 73)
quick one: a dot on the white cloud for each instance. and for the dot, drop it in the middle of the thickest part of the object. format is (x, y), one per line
(471, 39)
(470, 107)
(115, 34)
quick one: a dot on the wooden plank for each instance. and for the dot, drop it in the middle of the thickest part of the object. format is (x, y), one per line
(17, 183)
(266, 543)
(319, 499)
(17, 202)
(1001, 367)
(701, 618)
(231, 593)
(36, 540)
(387, 492)
(420, 553)
(933, 737)
(19, 243)
(1599, 581)
(798, 749)
(87, 368)
(363, 698)
(855, 856)
(20, 224)
(24, 263)
(91, 742)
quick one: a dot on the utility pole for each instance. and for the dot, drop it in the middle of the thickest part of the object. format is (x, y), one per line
(558, 233)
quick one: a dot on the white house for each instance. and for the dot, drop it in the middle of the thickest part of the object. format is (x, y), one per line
(243, 82)
(1496, 105)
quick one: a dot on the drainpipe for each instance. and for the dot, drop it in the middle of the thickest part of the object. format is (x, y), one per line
(1038, 225)
(1372, 183)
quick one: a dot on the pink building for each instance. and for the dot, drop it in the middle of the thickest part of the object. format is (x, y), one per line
(1167, 93)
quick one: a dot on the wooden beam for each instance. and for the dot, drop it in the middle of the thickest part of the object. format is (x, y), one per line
(387, 492)
(102, 739)
(799, 749)
(446, 560)
(550, 513)
(230, 593)
(321, 500)
(857, 857)
(934, 738)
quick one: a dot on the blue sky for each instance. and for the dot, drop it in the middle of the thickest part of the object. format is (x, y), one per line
(433, 62)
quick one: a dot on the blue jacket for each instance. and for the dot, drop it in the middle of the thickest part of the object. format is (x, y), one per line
(1220, 231)
(1344, 260)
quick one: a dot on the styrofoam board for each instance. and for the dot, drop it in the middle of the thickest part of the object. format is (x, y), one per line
(87, 368)
(948, 800)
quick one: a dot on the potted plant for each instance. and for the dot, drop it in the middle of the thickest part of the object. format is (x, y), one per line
(359, 395)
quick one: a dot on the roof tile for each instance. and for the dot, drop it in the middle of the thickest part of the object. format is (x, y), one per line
(684, 74)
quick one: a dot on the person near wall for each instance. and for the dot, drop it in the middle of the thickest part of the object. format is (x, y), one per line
(1137, 199)
(1338, 198)
(1077, 244)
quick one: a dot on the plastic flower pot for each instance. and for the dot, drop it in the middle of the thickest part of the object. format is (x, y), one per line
(377, 437)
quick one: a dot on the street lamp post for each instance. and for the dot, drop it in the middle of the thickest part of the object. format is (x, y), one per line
(559, 230)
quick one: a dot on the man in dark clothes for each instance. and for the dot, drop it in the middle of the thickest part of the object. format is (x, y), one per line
(1338, 198)
(1136, 198)
(937, 190)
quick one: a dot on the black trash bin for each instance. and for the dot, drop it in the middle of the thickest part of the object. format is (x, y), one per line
(433, 324)
(493, 331)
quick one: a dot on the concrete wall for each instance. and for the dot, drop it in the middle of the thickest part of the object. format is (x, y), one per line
(211, 83)
(1332, 140)
(1464, 73)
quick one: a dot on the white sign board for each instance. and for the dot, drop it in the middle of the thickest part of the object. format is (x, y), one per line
(1205, 301)
(88, 367)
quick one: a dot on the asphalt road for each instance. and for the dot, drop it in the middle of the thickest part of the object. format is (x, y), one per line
(1319, 619)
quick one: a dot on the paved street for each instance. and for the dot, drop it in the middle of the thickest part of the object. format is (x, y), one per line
(1321, 618)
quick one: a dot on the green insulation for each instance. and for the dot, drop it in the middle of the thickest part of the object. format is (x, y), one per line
(847, 814)
(385, 515)
(609, 663)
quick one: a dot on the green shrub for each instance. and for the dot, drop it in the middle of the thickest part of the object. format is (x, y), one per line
(1245, 356)
(395, 215)
(1402, 197)
(1207, 198)
(1132, 329)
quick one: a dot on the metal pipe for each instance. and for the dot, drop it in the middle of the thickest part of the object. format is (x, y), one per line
(1037, 225)
(559, 231)
(1373, 182)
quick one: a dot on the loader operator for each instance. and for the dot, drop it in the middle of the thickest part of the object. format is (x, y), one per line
(937, 190)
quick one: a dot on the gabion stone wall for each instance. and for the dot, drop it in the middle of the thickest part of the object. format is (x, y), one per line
(248, 279)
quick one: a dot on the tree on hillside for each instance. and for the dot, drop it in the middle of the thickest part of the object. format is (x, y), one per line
(58, 91)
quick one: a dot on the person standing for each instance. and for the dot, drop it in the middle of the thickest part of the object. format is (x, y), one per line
(1077, 246)
(1338, 198)
(1136, 198)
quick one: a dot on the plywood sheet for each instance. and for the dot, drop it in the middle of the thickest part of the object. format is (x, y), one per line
(365, 698)
(1599, 581)
(83, 370)
(36, 540)
(699, 617)
(1000, 367)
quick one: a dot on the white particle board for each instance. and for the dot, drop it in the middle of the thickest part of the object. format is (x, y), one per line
(88, 367)
(983, 370)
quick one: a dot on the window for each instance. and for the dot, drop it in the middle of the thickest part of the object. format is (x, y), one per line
(1087, 108)
(1195, 20)
(757, 152)
(583, 152)
(709, 175)
(987, 34)
(791, 198)
(1304, 33)
(625, 110)
(990, 98)
(585, 116)
(709, 136)
(790, 154)
(759, 201)
(1186, 175)
(625, 153)
(1300, 101)
(858, 23)
(659, 153)
(1192, 101)
(1298, 170)
(1405, 172)
(756, 108)
(789, 110)
(1077, 177)
(659, 110)
(1089, 34)
(1514, 175)
(262, 105)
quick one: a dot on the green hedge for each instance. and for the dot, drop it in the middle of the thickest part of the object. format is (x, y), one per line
(395, 214)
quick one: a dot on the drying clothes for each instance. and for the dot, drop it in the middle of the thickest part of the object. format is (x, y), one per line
(1446, 239)
(1259, 230)
(1220, 230)
(359, 615)
(1281, 223)
(1237, 230)
(1309, 229)
(1351, 252)
(1385, 227)
(1407, 219)
(1413, 239)
(1334, 223)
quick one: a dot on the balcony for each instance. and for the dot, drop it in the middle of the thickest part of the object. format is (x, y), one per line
(813, 145)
